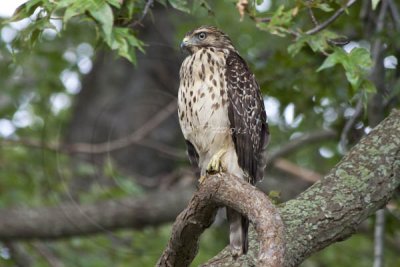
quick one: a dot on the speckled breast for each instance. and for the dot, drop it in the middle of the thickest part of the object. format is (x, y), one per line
(203, 100)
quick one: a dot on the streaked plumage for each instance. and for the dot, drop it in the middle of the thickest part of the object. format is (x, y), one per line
(222, 116)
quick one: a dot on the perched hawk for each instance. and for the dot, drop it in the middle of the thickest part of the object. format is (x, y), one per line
(222, 116)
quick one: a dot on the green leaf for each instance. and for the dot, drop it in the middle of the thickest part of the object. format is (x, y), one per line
(73, 8)
(180, 5)
(295, 48)
(368, 87)
(318, 42)
(105, 17)
(115, 3)
(374, 4)
(361, 57)
(331, 60)
(325, 7)
(280, 21)
(25, 10)
(69, 13)
(356, 64)
(125, 42)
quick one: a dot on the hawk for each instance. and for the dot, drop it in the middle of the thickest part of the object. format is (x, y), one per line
(222, 116)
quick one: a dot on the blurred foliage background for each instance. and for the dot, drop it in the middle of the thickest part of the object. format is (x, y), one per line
(94, 71)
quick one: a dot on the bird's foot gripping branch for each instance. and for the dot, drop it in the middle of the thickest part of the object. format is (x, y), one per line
(230, 191)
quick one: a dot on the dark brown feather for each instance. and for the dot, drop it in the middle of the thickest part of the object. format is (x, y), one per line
(247, 117)
(192, 154)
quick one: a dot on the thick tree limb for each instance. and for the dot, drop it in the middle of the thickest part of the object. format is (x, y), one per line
(328, 211)
(79, 219)
(225, 190)
(331, 209)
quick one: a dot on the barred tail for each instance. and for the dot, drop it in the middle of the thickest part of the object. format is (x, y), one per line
(238, 232)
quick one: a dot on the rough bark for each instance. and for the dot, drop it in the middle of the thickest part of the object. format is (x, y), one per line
(153, 209)
(225, 190)
(331, 209)
(327, 212)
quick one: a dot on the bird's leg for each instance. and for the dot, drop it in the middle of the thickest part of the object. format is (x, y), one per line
(215, 165)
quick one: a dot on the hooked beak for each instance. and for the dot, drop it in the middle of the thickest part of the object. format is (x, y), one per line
(185, 44)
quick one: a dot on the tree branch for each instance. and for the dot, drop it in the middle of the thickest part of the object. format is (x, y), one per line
(134, 138)
(77, 219)
(139, 21)
(332, 209)
(379, 235)
(350, 123)
(295, 170)
(55, 222)
(225, 190)
(395, 14)
(327, 22)
(303, 140)
(328, 211)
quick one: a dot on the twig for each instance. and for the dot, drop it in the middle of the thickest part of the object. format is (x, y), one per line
(312, 16)
(254, 18)
(349, 124)
(293, 169)
(326, 23)
(47, 254)
(112, 145)
(365, 7)
(262, 19)
(106, 147)
(226, 190)
(377, 45)
(163, 148)
(379, 238)
(299, 142)
(395, 14)
(146, 9)
(377, 75)
(127, 140)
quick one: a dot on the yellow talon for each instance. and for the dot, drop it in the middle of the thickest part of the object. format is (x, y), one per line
(202, 179)
(215, 163)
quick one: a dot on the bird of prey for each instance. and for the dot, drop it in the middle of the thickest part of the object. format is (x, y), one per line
(222, 116)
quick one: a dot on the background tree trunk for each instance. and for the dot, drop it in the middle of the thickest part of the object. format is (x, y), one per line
(117, 98)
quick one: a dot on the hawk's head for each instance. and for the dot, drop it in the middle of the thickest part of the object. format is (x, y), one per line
(205, 36)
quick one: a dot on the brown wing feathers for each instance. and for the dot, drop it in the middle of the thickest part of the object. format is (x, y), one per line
(247, 117)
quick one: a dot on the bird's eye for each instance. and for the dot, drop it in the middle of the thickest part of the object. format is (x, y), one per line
(202, 35)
